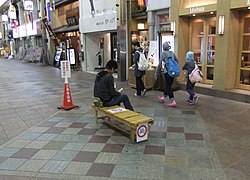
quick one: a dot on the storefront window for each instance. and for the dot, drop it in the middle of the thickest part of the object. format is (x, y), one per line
(210, 50)
(197, 41)
(245, 58)
(211, 47)
(203, 45)
(247, 25)
(246, 43)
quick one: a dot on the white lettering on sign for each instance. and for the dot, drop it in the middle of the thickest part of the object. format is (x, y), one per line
(65, 69)
(196, 9)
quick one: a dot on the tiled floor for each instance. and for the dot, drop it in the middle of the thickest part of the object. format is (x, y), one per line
(207, 141)
(86, 149)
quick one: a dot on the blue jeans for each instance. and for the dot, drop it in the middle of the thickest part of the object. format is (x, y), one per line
(190, 89)
(123, 98)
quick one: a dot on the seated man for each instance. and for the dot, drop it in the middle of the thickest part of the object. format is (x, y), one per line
(105, 90)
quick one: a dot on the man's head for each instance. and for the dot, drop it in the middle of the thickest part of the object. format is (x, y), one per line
(137, 44)
(111, 66)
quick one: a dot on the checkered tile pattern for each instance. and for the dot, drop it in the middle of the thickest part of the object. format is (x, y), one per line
(73, 144)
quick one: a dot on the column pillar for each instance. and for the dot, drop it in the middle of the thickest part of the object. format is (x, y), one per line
(151, 26)
(226, 48)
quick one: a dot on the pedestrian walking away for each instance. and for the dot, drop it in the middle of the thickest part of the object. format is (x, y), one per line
(190, 87)
(140, 88)
(163, 70)
(104, 87)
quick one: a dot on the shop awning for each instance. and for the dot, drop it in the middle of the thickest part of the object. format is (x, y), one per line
(66, 29)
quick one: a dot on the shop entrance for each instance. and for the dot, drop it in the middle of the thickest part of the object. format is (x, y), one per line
(243, 80)
(202, 43)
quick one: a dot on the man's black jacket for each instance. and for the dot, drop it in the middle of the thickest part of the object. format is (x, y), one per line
(104, 86)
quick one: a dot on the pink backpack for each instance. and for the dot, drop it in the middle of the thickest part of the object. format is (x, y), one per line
(196, 75)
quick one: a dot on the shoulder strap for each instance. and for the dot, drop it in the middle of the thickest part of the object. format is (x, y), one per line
(170, 52)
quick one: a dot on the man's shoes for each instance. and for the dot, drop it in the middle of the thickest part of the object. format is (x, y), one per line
(161, 99)
(196, 98)
(144, 92)
(136, 95)
(190, 102)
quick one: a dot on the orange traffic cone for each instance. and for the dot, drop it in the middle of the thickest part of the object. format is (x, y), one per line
(67, 100)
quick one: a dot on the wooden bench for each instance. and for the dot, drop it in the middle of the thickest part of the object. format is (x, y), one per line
(138, 123)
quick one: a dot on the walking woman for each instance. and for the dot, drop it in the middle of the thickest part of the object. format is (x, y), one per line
(163, 64)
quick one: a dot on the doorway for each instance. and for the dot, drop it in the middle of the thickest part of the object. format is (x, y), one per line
(202, 43)
(114, 51)
(243, 78)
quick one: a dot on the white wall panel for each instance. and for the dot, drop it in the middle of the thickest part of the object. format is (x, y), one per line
(102, 16)
(158, 4)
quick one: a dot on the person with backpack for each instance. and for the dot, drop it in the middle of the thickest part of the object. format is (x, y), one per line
(189, 66)
(139, 73)
(165, 57)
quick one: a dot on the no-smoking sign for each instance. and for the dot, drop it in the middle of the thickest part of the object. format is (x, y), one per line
(142, 132)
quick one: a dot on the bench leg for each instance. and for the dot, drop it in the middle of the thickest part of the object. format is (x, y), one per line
(132, 135)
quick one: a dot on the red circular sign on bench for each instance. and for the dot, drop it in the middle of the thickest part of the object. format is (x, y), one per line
(142, 131)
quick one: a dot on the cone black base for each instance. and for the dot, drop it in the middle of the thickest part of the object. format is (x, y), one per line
(68, 108)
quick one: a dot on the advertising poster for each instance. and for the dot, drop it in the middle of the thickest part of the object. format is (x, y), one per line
(58, 54)
(170, 40)
(153, 53)
(71, 55)
(98, 15)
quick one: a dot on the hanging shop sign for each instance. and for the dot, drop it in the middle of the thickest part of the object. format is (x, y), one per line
(98, 15)
(24, 30)
(12, 12)
(5, 18)
(52, 34)
(48, 7)
(28, 6)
